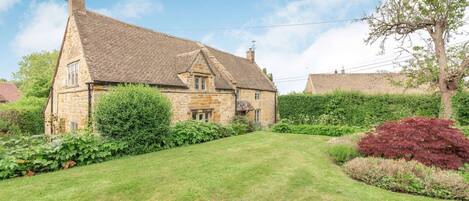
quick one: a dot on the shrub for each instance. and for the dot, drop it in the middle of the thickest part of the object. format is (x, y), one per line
(285, 127)
(342, 153)
(355, 109)
(241, 125)
(461, 103)
(135, 114)
(408, 176)
(193, 132)
(429, 141)
(28, 155)
(23, 117)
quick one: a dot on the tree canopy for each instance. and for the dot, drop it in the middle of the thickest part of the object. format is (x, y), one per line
(34, 77)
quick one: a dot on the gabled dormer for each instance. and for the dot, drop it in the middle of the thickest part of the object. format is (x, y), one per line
(197, 73)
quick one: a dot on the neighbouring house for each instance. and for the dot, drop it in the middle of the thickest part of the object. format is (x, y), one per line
(201, 82)
(368, 83)
(9, 93)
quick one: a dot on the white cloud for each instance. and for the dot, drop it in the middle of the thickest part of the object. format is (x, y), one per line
(43, 30)
(291, 53)
(5, 5)
(132, 8)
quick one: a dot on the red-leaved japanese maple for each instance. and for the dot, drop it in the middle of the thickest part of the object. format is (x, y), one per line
(433, 142)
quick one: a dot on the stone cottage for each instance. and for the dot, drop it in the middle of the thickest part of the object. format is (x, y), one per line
(202, 83)
(368, 83)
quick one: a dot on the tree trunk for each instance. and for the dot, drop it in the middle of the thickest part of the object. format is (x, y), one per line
(445, 91)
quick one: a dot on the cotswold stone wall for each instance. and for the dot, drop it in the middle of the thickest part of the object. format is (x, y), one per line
(266, 104)
(69, 104)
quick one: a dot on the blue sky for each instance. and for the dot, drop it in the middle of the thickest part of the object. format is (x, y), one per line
(291, 53)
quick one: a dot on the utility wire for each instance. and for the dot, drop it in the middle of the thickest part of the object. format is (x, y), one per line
(266, 26)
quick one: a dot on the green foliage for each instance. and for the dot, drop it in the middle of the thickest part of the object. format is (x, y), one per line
(23, 117)
(286, 127)
(408, 176)
(24, 155)
(35, 74)
(461, 103)
(465, 130)
(193, 132)
(465, 172)
(342, 153)
(355, 109)
(135, 114)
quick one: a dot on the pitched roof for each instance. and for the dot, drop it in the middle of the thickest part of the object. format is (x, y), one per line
(371, 83)
(119, 52)
(9, 92)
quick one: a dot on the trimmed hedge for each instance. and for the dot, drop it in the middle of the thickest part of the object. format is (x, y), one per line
(23, 117)
(138, 115)
(355, 109)
(284, 127)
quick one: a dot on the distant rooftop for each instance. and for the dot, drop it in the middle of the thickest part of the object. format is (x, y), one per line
(9, 92)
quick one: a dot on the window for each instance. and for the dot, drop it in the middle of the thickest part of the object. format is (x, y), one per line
(72, 74)
(257, 116)
(258, 95)
(202, 115)
(200, 83)
(73, 126)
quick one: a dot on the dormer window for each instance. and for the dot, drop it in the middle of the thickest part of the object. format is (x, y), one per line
(257, 96)
(200, 83)
(72, 74)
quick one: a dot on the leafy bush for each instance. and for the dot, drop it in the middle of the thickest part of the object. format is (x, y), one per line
(429, 141)
(28, 155)
(342, 153)
(135, 114)
(285, 127)
(193, 132)
(23, 117)
(355, 109)
(408, 176)
(461, 105)
(241, 125)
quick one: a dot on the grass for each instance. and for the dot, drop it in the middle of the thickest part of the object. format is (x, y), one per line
(258, 166)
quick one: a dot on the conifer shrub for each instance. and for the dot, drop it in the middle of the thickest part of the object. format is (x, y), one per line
(138, 115)
(431, 141)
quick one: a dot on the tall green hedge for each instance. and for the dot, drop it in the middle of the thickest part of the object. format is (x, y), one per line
(355, 109)
(461, 107)
(23, 117)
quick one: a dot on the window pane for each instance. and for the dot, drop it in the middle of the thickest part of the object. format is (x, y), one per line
(196, 83)
(203, 83)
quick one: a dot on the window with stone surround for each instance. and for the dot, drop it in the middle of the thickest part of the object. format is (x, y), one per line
(73, 126)
(72, 74)
(257, 115)
(202, 115)
(200, 83)
(257, 96)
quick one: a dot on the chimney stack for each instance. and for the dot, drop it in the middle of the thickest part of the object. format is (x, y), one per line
(335, 71)
(251, 55)
(343, 70)
(76, 5)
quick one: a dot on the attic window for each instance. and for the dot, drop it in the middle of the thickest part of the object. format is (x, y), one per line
(72, 74)
(200, 83)
(257, 96)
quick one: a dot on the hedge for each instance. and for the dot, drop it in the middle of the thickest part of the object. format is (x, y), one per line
(327, 130)
(355, 109)
(23, 117)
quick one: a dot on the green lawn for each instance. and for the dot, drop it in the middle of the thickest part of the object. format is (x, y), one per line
(259, 166)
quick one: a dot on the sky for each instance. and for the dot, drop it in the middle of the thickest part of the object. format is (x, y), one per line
(289, 52)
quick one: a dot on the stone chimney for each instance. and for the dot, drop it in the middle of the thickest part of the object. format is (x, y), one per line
(251, 55)
(342, 71)
(76, 5)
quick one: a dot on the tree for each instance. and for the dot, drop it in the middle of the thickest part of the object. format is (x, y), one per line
(440, 20)
(34, 77)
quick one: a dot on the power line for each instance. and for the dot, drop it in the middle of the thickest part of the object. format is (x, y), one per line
(266, 26)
